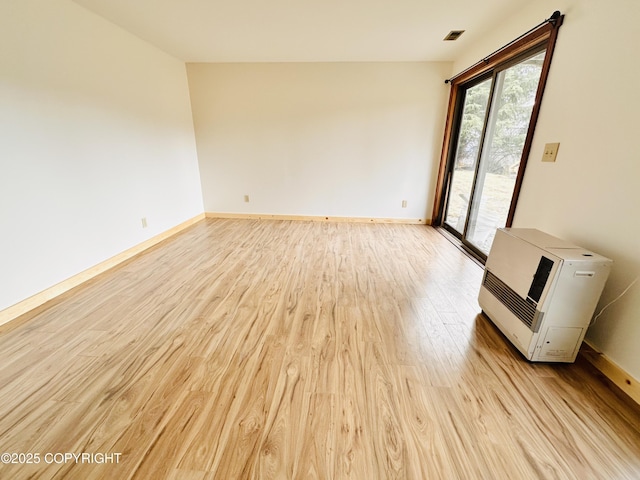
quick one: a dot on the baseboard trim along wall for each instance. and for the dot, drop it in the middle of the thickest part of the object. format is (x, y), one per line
(612, 371)
(318, 218)
(40, 299)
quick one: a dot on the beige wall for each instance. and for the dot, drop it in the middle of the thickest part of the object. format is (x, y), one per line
(95, 133)
(335, 139)
(591, 195)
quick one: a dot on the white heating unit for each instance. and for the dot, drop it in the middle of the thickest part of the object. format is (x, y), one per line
(541, 292)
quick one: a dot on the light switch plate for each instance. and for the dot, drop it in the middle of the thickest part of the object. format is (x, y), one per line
(550, 152)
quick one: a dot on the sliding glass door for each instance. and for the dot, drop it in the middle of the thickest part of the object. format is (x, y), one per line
(467, 151)
(492, 123)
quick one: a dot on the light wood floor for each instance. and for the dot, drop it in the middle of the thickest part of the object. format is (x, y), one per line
(245, 349)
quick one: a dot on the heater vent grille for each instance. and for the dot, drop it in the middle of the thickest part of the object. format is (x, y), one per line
(521, 308)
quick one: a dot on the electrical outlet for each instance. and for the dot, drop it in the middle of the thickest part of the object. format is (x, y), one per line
(550, 152)
(246, 198)
(144, 222)
(404, 204)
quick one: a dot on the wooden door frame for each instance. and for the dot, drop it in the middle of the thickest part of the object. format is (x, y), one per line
(544, 34)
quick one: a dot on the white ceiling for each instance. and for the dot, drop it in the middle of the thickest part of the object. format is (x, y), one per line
(305, 30)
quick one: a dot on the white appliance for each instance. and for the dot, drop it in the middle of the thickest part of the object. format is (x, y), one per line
(541, 292)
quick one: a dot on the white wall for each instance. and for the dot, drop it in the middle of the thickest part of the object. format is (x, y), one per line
(334, 139)
(95, 133)
(591, 195)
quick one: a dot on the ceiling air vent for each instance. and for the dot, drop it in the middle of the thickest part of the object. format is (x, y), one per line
(453, 35)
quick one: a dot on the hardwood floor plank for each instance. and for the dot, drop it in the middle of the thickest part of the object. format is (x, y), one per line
(255, 349)
(317, 453)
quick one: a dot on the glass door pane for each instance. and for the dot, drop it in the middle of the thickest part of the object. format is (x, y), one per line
(514, 95)
(468, 147)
